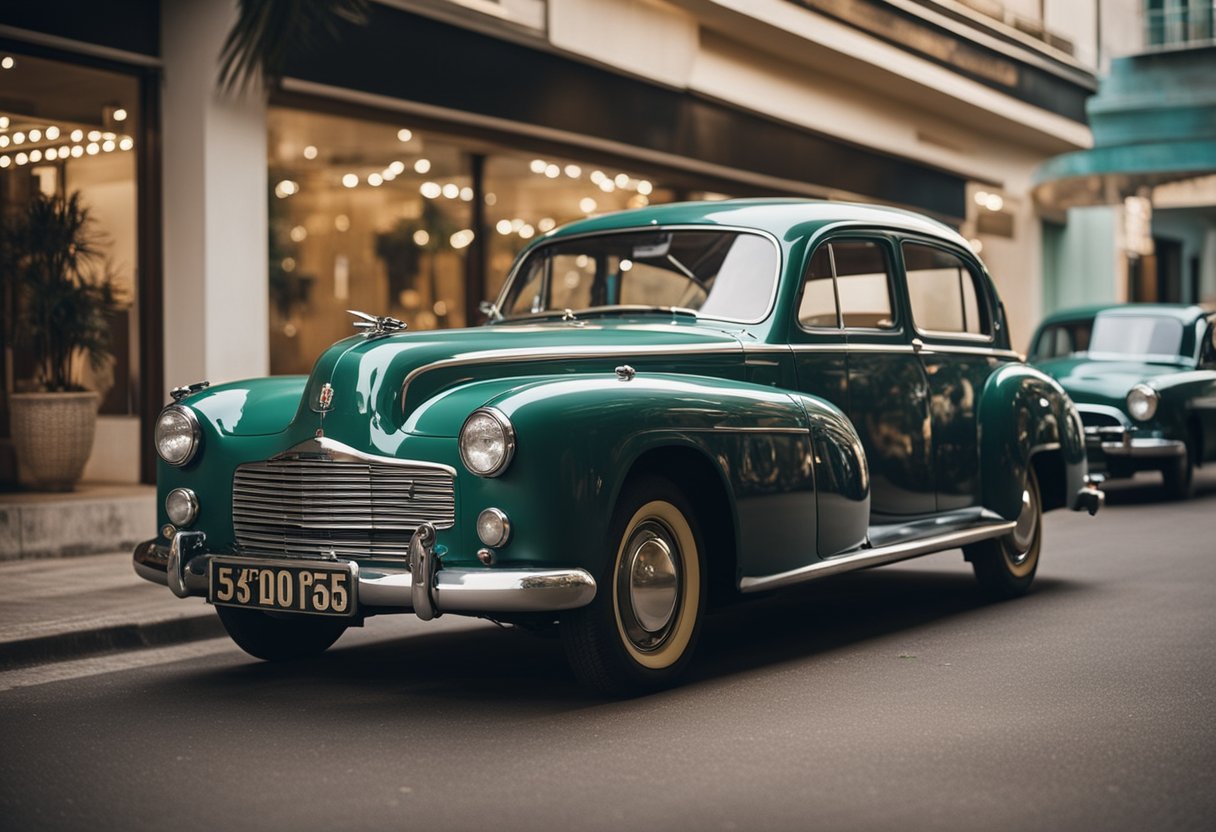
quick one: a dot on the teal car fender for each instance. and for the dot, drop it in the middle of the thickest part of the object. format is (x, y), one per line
(1027, 419)
(744, 454)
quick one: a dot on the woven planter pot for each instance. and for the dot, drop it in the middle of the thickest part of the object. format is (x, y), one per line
(53, 436)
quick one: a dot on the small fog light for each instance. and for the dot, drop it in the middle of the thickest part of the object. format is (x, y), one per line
(182, 506)
(485, 556)
(493, 527)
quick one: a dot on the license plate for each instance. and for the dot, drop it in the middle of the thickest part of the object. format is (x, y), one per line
(308, 587)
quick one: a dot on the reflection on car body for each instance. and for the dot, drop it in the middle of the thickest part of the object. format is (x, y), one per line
(667, 410)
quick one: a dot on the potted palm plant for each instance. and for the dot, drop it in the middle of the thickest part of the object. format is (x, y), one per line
(61, 295)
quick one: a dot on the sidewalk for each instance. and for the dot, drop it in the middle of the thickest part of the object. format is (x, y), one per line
(96, 517)
(61, 608)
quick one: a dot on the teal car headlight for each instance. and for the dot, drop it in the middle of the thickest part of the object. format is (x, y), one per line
(177, 435)
(487, 442)
(1142, 402)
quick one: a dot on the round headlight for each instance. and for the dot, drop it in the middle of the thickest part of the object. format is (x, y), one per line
(493, 527)
(181, 505)
(1142, 402)
(177, 435)
(487, 442)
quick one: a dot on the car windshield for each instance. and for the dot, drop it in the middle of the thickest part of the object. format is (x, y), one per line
(1136, 336)
(727, 275)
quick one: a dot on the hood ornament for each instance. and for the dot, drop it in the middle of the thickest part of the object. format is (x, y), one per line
(374, 326)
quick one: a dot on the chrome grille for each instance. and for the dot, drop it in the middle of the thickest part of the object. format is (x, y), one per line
(1093, 419)
(350, 508)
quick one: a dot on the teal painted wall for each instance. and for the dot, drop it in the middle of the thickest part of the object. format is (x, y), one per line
(1079, 258)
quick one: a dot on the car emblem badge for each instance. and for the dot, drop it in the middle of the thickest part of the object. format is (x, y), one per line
(327, 396)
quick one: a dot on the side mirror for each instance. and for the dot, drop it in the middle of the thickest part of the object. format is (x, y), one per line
(490, 310)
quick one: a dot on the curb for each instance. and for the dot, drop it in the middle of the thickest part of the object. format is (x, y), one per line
(119, 637)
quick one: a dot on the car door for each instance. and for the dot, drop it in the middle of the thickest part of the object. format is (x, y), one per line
(953, 314)
(1204, 404)
(877, 381)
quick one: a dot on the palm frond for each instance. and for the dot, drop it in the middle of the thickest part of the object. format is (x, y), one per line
(266, 32)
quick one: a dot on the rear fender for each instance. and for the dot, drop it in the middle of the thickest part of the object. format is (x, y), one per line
(1024, 412)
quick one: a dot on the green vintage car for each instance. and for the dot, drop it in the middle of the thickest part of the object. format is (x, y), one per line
(668, 409)
(1145, 385)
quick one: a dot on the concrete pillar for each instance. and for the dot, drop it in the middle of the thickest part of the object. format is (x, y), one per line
(215, 206)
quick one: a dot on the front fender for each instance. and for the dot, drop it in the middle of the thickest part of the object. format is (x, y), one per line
(1024, 412)
(579, 436)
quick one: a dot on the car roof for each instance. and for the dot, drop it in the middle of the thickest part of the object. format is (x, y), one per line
(777, 216)
(1074, 314)
(1184, 312)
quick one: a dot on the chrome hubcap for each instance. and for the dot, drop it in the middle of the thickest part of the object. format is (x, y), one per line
(648, 584)
(1024, 530)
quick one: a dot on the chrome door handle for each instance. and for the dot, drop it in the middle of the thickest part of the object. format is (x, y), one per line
(917, 345)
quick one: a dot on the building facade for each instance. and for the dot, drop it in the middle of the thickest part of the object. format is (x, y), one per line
(401, 164)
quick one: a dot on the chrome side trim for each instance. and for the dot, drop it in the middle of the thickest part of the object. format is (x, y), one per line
(876, 557)
(732, 429)
(530, 354)
(953, 349)
(962, 349)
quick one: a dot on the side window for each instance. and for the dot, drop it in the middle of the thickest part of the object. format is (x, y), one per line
(1207, 354)
(861, 295)
(818, 305)
(943, 292)
(863, 282)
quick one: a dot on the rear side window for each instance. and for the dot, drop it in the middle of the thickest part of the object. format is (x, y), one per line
(861, 294)
(943, 291)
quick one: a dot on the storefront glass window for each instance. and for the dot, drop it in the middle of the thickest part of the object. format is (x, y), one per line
(380, 216)
(68, 129)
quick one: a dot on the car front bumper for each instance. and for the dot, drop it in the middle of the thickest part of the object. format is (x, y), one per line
(422, 586)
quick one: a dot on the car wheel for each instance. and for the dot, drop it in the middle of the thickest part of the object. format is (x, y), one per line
(1005, 566)
(280, 638)
(1180, 477)
(639, 633)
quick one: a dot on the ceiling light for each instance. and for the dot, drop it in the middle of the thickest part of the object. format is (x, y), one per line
(404, 135)
(120, 114)
(430, 190)
(350, 180)
(422, 166)
(310, 152)
(7, 62)
(52, 132)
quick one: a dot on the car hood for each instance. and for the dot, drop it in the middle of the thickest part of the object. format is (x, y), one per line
(382, 379)
(1091, 381)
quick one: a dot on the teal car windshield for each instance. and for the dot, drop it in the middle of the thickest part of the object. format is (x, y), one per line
(726, 275)
(1136, 336)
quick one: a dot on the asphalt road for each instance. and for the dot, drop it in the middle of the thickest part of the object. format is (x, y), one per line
(893, 699)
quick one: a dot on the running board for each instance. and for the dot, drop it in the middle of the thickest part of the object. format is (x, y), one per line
(876, 557)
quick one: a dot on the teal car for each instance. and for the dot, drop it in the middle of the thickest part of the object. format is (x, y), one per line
(668, 410)
(1145, 385)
